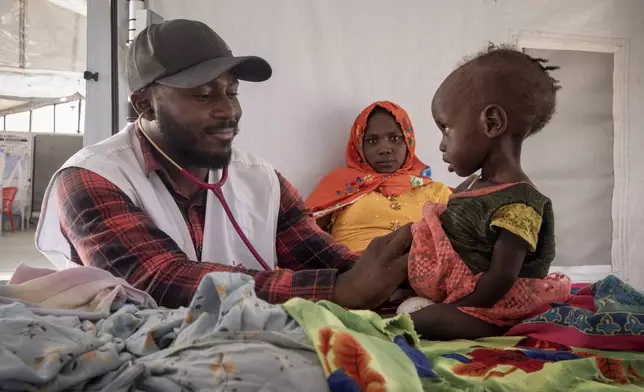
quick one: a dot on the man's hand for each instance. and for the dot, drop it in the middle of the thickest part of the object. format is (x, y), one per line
(378, 273)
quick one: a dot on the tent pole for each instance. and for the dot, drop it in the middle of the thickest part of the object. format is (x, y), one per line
(133, 7)
(22, 61)
(98, 101)
(114, 65)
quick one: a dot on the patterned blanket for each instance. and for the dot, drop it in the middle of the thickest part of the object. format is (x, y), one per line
(360, 351)
(526, 364)
(607, 315)
(229, 340)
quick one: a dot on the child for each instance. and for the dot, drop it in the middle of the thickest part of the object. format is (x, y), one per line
(484, 259)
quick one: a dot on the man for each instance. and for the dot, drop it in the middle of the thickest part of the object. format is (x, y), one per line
(125, 205)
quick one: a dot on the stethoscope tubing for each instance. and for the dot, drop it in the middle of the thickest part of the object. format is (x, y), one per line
(219, 194)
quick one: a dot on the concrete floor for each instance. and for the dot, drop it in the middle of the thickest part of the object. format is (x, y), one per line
(17, 248)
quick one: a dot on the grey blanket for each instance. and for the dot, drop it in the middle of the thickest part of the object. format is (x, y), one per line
(227, 340)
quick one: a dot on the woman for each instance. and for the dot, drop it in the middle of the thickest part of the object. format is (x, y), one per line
(385, 184)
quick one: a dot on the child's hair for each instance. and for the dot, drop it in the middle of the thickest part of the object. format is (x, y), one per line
(529, 92)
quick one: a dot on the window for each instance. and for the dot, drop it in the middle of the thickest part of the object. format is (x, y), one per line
(2, 122)
(17, 122)
(42, 119)
(66, 117)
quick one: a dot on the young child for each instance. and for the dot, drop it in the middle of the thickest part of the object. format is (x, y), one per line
(484, 259)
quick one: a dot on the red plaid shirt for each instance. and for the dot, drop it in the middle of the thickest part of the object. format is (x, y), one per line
(105, 229)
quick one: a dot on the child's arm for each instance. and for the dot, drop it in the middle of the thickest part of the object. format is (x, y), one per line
(507, 258)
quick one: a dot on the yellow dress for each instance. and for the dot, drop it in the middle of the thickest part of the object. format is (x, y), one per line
(375, 215)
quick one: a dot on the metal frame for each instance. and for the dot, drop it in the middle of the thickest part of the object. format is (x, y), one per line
(78, 127)
(22, 39)
(98, 103)
(114, 64)
(107, 107)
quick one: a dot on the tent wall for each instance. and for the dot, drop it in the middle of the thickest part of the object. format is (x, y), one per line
(331, 58)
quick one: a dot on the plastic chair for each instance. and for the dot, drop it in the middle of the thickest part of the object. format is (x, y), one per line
(8, 196)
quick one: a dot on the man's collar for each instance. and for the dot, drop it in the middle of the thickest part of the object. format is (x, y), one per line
(149, 158)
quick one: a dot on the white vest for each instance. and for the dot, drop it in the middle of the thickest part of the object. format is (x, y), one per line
(252, 191)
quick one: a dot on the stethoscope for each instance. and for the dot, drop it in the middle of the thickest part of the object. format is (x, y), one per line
(216, 189)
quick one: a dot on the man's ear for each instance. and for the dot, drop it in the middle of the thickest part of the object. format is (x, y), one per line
(142, 104)
(495, 121)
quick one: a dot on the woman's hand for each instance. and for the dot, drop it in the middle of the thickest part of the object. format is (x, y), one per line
(378, 273)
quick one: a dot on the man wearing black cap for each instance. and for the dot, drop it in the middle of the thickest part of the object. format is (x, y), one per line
(133, 206)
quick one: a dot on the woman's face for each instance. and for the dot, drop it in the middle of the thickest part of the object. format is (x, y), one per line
(383, 143)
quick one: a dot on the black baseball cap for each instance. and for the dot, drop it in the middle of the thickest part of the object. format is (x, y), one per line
(186, 53)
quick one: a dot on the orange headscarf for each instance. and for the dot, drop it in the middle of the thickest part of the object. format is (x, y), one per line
(344, 186)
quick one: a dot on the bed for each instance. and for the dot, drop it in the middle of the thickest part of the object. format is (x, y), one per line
(83, 329)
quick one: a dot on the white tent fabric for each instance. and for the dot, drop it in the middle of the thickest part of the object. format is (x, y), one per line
(42, 51)
(76, 6)
(54, 36)
(40, 84)
(332, 58)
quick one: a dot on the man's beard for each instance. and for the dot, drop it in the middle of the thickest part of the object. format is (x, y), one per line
(182, 143)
